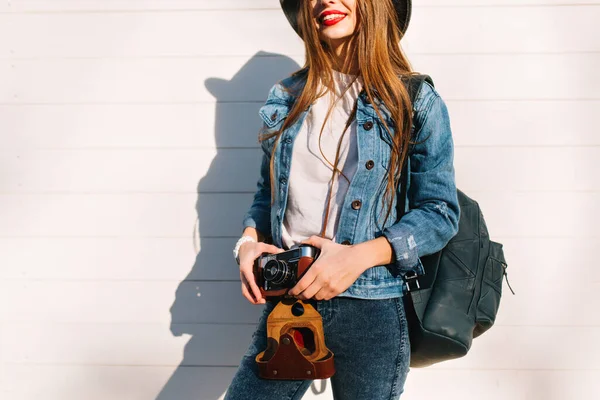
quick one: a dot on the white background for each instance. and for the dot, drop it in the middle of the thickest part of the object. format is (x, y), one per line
(129, 155)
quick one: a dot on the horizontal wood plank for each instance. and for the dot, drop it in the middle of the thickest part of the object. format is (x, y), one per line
(37, 6)
(96, 344)
(119, 259)
(237, 170)
(521, 123)
(184, 33)
(517, 384)
(18, 6)
(511, 214)
(98, 382)
(174, 259)
(101, 382)
(224, 345)
(170, 302)
(160, 126)
(126, 301)
(224, 125)
(188, 80)
(537, 268)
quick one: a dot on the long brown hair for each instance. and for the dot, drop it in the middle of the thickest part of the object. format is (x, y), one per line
(375, 52)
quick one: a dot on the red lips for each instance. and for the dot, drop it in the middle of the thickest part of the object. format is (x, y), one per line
(332, 21)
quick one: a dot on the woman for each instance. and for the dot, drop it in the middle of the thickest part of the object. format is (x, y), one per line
(335, 135)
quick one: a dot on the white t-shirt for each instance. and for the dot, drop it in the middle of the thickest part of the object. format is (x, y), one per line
(310, 173)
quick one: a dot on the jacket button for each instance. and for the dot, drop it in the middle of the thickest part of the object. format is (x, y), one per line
(346, 242)
(356, 204)
(368, 125)
(274, 116)
(370, 164)
(283, 180)
(288, 140)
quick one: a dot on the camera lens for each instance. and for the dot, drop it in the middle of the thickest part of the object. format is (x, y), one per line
(276, 272)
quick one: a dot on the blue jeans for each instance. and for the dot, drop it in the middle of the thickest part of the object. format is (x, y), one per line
(369, 339)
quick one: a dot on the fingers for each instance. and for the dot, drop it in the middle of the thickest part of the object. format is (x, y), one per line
(269, 248)
(316, 292)
(249, 252)
(323, 294)
(251, 287)
(247, 294)
(307, 280)
(249, 297)
(316, 241)
(319, 290)
(310, 291)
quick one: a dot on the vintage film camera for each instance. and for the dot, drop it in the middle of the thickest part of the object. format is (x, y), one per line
(295, 339)
(275, 274)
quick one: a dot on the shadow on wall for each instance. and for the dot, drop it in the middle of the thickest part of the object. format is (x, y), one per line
(208, 303)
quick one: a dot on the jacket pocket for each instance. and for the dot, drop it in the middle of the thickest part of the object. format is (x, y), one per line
(386, 142)
(273, 115)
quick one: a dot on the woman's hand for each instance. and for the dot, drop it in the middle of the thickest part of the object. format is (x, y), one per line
(336, 268)
(249, 252)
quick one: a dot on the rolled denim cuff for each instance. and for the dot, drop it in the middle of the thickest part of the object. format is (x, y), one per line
(405, 250)
(259, 220)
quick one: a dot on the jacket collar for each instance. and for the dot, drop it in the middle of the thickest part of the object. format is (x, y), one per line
(295, 83)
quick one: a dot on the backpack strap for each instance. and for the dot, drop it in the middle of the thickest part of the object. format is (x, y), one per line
(413, 84)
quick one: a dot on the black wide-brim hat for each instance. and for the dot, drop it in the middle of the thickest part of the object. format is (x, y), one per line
(403, 10)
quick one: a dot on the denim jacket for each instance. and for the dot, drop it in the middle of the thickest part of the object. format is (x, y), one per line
(432, 210)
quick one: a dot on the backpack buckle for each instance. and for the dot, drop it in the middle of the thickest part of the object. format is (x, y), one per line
(412, 279)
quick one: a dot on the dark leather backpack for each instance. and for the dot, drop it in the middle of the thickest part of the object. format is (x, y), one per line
(457, 298)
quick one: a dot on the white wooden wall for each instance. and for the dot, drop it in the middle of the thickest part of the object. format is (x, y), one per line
(129, 156)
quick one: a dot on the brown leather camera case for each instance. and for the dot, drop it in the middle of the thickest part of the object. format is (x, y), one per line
(295, 344)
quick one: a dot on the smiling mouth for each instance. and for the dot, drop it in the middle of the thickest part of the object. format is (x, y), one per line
(332, 19)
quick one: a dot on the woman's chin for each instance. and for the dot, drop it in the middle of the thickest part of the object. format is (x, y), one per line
(335, 35)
